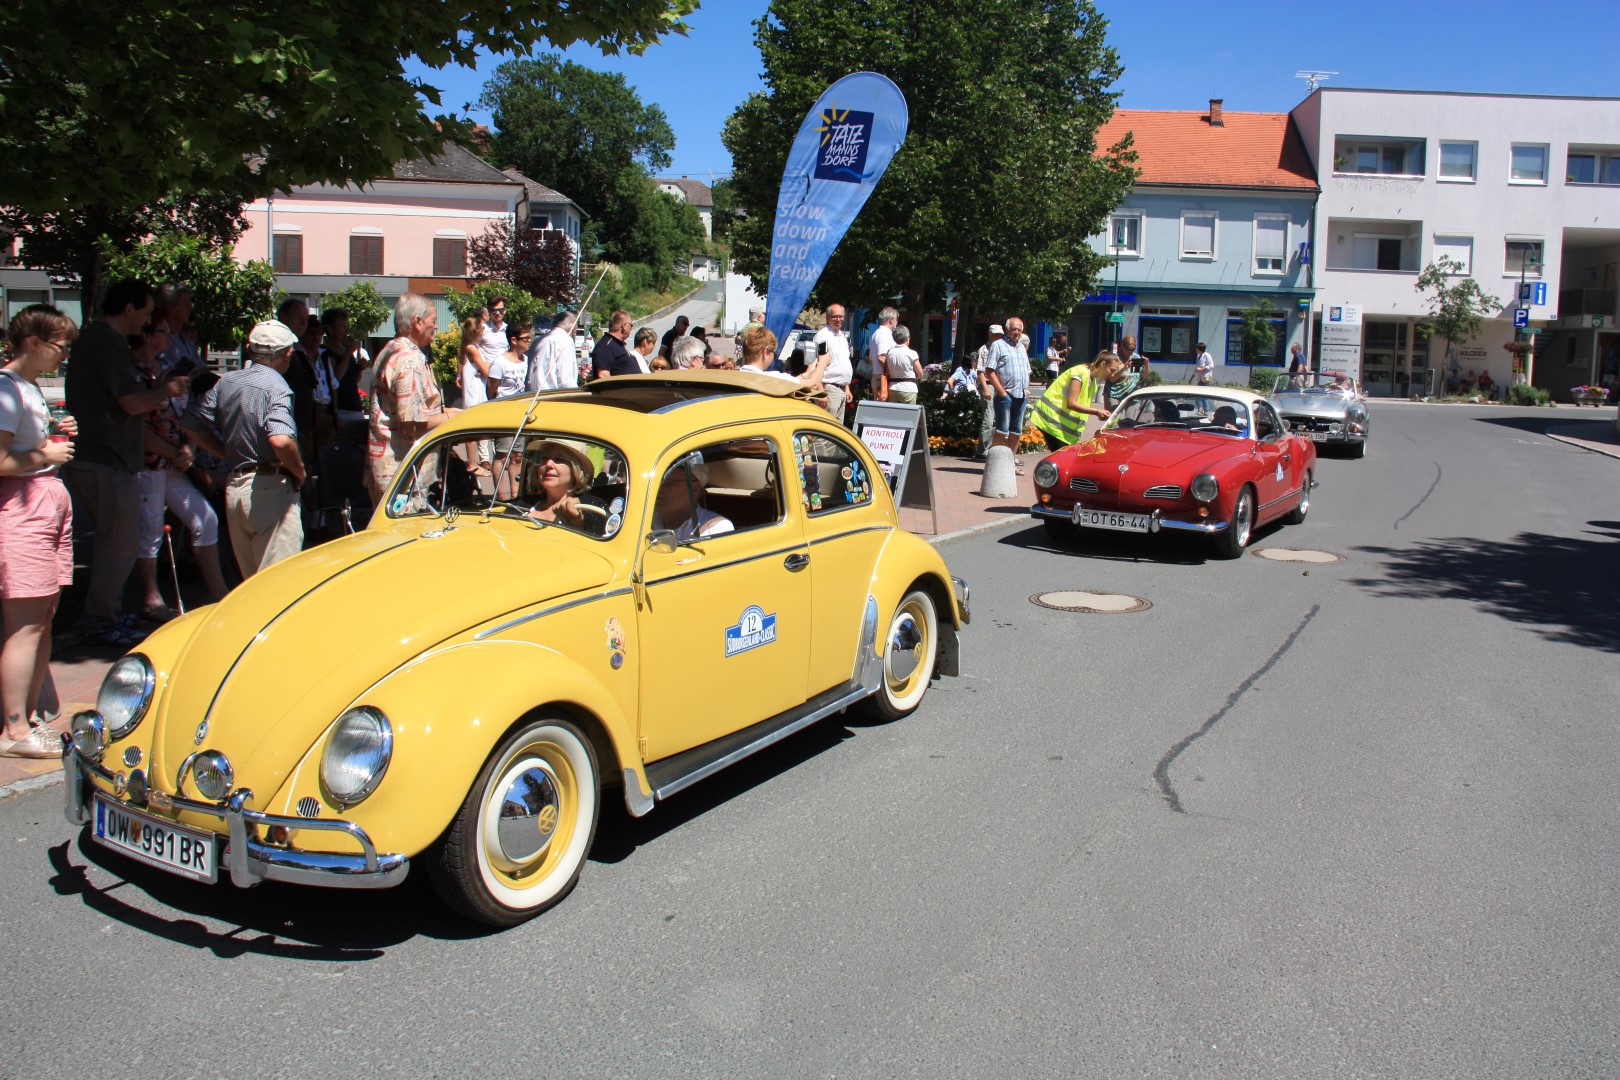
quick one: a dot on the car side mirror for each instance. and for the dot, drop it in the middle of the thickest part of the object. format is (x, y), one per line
(663, 541)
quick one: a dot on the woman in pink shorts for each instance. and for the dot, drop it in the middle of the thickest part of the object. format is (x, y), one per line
(36, 523)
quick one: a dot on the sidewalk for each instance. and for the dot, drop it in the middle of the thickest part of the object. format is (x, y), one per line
(1599, 436)
(78, 671)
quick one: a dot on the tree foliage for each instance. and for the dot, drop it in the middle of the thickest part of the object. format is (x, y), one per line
(1457, 304)
(123, 104)
(584, 133)
(1258, 333)
(521, 308)
(227, 297)
(365, 305)
(538, 261)
(1000, 181)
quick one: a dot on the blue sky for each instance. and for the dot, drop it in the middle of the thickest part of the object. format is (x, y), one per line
(1177, 55)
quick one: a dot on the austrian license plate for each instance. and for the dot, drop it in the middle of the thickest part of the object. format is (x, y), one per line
(1108, 519)
(156, 842)
(1314, 436)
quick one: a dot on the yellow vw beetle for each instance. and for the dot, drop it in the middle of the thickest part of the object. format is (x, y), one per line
(614, 591)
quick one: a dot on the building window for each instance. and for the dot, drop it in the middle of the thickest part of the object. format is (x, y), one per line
(1592, 167)
(1383, 157)
(449, 257)
(1198, 234)
(287, 253)
(1270, 243)
(1523, 258)
(1529, 164)
(1168, 334)
(1373, 252)
(1234, 341)
(1457, 160)
(540, 221)
(365, 254)
(1459, 249)
(1125, 234)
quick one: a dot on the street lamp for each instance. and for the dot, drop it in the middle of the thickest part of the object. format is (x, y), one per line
(1115, 322)
(1526, 260)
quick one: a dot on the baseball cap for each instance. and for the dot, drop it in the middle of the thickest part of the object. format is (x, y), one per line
(271, 336)
(995, 328)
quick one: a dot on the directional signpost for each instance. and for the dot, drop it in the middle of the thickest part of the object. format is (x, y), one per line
(1521, 318)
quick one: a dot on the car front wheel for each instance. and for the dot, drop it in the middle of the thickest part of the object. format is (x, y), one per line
(1230, 543)
(909, 650)
(520, 840)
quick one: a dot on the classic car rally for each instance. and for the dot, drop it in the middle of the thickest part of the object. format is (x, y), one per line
(803, 538)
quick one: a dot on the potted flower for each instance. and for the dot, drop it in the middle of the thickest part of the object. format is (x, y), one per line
(1588, 395)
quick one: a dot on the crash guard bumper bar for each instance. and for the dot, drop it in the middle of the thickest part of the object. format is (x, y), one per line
(1158, 520)
(248, 859)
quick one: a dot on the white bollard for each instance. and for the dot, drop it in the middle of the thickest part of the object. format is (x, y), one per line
(1000, 474)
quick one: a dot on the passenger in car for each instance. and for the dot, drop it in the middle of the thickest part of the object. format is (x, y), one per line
(559, 474)
(679, 502)
(1225, 417)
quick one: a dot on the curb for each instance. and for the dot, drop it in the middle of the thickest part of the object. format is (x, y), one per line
(1583, 444)
(32, 783)
(983, 526)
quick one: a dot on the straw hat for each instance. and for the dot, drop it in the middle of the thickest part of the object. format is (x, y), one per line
(563, 450)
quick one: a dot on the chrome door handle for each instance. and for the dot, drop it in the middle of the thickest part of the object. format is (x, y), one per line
(797, 561)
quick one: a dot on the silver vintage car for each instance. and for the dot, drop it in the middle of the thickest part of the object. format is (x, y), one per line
(1326, 407)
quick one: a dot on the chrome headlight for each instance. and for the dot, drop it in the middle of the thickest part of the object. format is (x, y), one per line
(125, 694)
(1205, 487)
(1046, 474)
(357, 754)
(213, 775)
(89, 734)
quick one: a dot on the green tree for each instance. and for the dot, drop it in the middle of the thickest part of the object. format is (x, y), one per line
(725, 209)
(582, 132)
(1457, 304)
(1000, 181)
(665, 234)
(1259, 333)
(521, 308)
(227, 297)
(365, 305)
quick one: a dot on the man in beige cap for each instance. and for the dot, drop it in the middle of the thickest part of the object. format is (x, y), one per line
(252, 412)
(981, 367)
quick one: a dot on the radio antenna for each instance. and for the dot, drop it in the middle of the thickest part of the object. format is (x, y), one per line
(1313, 79)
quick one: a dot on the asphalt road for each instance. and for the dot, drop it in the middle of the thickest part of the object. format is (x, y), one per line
(1351, 820)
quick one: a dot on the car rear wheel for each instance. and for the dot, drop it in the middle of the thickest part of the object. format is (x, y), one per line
(520, 840)
(910, 649)
(1297, 516)
(1230, 543)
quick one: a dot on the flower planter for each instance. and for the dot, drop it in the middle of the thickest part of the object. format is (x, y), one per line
(1588, 397)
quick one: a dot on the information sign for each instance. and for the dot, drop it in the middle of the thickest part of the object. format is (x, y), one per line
(897, 435)
(1521, 317)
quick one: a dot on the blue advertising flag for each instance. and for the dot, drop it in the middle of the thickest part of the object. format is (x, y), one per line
(842, 149)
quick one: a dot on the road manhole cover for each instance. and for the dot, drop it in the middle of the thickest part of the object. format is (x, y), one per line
(1091, 603)
(1305, 555)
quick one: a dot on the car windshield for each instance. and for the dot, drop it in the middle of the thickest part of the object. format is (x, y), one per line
(1182, 409)
(1319, 382)
(549, 479)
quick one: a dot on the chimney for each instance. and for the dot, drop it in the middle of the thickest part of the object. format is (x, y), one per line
(1215, 118)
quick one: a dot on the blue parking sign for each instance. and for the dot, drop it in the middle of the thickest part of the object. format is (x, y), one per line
(1521, 318)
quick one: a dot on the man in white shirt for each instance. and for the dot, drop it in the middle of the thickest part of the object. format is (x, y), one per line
(1204, 368)
(901, 369)
(553, 364)
(981, 367)
(832, 368)
(879, 344)
(493, 344)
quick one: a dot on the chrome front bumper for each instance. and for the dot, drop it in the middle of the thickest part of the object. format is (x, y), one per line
(1158, 521)
(245, 856)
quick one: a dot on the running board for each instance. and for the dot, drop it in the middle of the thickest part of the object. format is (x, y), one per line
(676, 773)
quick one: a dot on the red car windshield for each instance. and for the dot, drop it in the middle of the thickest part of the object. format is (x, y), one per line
(1182, 409)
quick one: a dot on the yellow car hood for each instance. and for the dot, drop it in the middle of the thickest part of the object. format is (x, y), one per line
(279, 659)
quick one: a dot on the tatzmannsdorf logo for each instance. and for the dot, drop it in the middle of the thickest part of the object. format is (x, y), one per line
(845, 135)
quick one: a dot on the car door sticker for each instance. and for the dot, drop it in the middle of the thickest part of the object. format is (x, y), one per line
(754, 628)
(615, 641)
(1279, 472)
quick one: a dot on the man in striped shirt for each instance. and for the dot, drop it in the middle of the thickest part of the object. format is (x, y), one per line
(252, 412)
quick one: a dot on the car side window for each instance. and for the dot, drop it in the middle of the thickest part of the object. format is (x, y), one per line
(723, 487)
(831, 474)
(1266, 425)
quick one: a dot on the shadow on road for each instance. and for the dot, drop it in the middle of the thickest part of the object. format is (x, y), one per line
(1562, 586)
(1167, 548)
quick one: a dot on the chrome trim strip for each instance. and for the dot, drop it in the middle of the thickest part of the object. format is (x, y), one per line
(851, 532)
(868, 673)
(552, 610)
(256, 638)
(699, 571)
(249, 861)
(767, 739)
(637, 799)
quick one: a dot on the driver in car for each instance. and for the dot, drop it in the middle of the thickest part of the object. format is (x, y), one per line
(558, 474)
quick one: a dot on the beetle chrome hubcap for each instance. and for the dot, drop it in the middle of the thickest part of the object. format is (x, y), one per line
(529, 809)
(905, 649)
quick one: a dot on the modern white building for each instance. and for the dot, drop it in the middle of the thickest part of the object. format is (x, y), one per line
(1513, 187)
